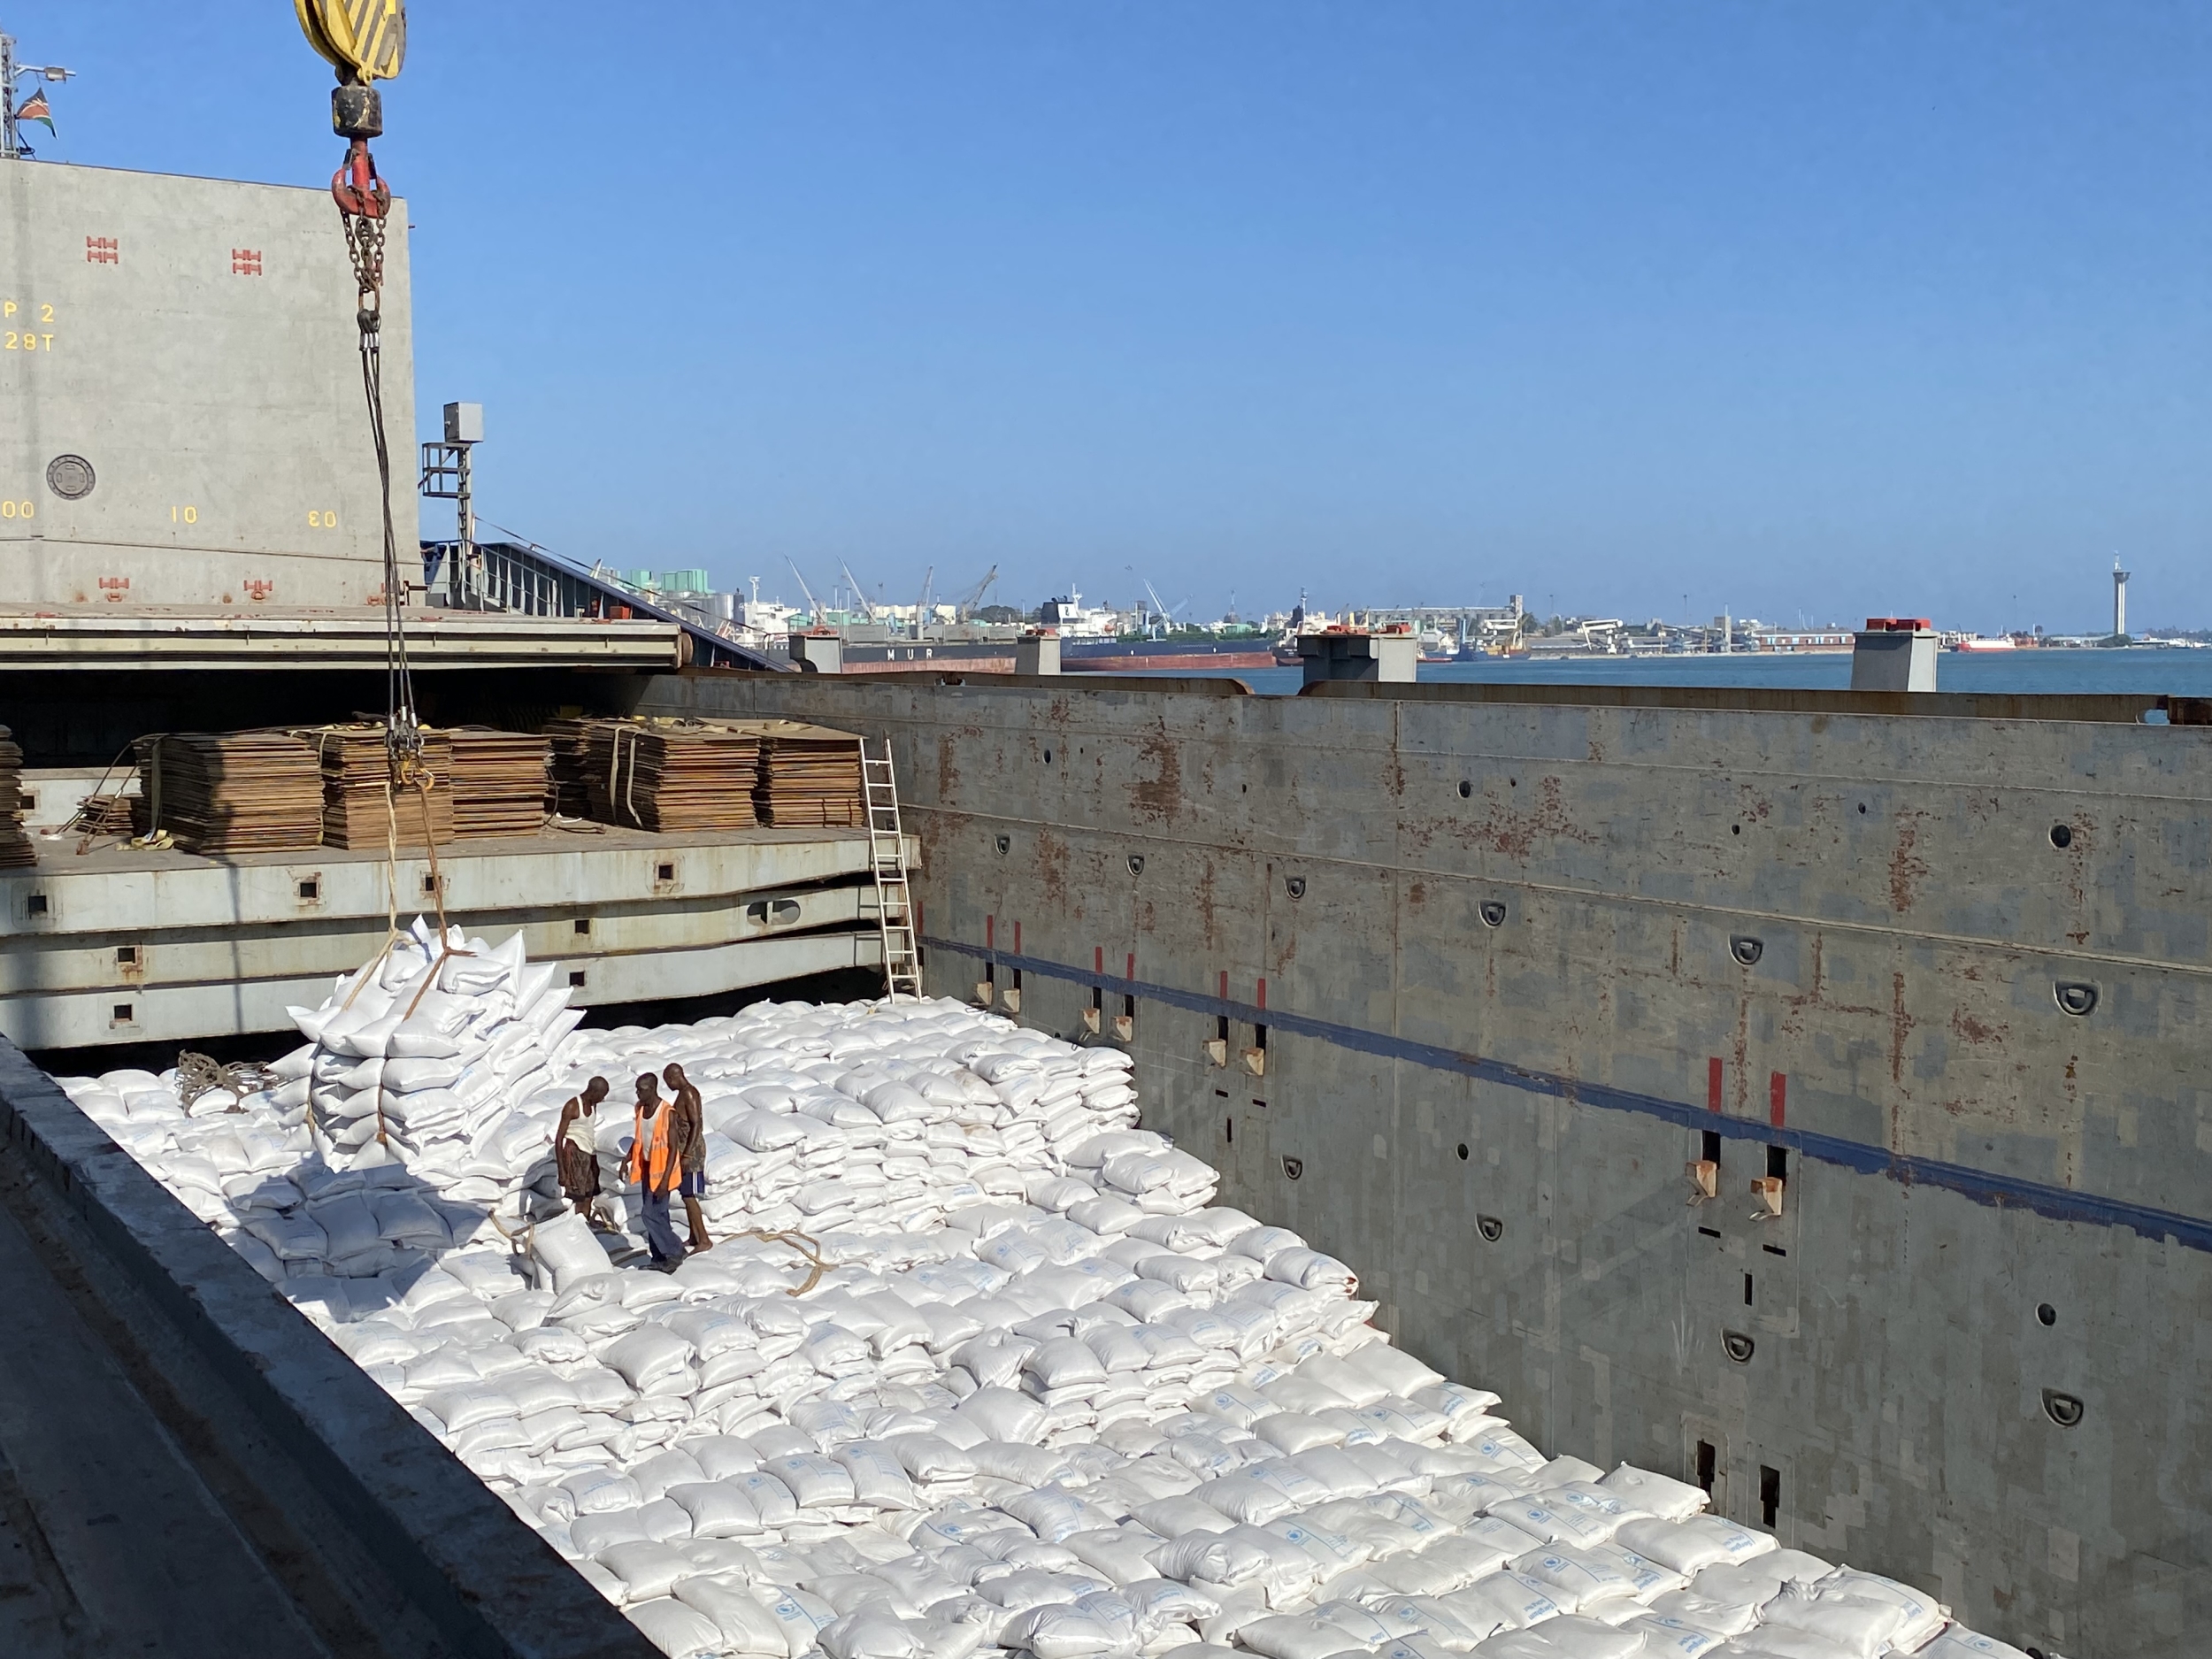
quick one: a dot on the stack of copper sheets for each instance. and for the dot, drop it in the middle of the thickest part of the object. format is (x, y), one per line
(500, 781)
(231, 792)
(674, 775)
(569, 792)
(362, 808)
(810, 777)
(15, 847)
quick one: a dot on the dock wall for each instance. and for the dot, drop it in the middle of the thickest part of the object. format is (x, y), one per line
(1459, 983)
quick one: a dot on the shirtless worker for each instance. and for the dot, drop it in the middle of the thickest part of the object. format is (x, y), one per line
(576, 1147)
(691, 1143)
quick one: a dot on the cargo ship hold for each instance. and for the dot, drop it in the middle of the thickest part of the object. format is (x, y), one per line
(1405, 1168)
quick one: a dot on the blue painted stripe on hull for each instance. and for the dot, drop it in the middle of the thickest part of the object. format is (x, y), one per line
(1984, 1187)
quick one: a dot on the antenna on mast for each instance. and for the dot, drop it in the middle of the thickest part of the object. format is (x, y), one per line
(12, 115)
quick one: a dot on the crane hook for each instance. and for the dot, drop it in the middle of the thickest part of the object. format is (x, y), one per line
(356, 187)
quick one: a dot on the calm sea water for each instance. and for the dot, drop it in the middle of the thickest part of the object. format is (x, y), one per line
(2138, 669)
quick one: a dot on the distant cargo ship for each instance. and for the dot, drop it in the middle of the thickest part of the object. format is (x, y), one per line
(1975, 642)
(1077, 656)
(1132, 656)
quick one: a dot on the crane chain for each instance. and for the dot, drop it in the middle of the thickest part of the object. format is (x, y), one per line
(364, 205)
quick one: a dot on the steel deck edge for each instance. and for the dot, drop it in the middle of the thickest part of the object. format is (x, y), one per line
(489, 1584)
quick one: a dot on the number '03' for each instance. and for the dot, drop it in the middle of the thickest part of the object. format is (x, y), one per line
(320, 520)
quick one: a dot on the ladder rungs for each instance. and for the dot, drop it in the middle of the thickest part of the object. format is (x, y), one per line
(886, 859)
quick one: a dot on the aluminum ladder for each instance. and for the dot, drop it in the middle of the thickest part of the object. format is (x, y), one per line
(887, 860)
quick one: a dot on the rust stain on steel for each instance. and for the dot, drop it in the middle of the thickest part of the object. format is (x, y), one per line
(947, 770)
(1159, 797)
(1204, 898)
(2076, 886)
(1741, 1051)
(1514, 834)
(1901, 1024)
(1052, 871)
(1904, 868)
(1976, 1030)
(1813, 995)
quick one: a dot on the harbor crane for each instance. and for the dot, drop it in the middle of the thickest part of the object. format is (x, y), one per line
(921, 606)
(860, 597)
(965, 607)
(1160, 608)
(813, 605)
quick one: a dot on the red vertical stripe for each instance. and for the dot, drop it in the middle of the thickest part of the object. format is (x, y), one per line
(1224, 985)
(1712, 1084)
(990, 938)
(1132, 974)
(1098, 960)
(1262, 994)
(1018, 938)
(1778, 1092)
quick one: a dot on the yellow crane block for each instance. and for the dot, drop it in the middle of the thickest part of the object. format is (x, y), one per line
(364, 40)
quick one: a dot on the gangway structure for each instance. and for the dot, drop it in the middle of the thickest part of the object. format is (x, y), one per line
(516, 580)
(887, 851)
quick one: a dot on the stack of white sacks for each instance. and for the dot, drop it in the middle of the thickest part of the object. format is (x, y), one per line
(1046, 1399)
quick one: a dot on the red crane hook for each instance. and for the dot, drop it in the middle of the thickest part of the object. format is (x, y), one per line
(356, 188)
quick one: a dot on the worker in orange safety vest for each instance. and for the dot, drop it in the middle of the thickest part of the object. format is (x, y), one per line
(656, 1164)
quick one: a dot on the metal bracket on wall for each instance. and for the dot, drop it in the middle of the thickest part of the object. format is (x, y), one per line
(1217, 1051)
(1704, 1181)
(1768, 1190)
(1256, 1062)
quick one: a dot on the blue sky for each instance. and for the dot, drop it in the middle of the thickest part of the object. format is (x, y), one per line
(1826, 310)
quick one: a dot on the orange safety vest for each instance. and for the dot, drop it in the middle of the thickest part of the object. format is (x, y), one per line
(652, 1149)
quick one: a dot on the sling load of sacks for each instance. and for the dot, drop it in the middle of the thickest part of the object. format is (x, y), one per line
(1045, 1399)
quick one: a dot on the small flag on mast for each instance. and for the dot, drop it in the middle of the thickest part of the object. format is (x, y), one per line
(34, 109)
